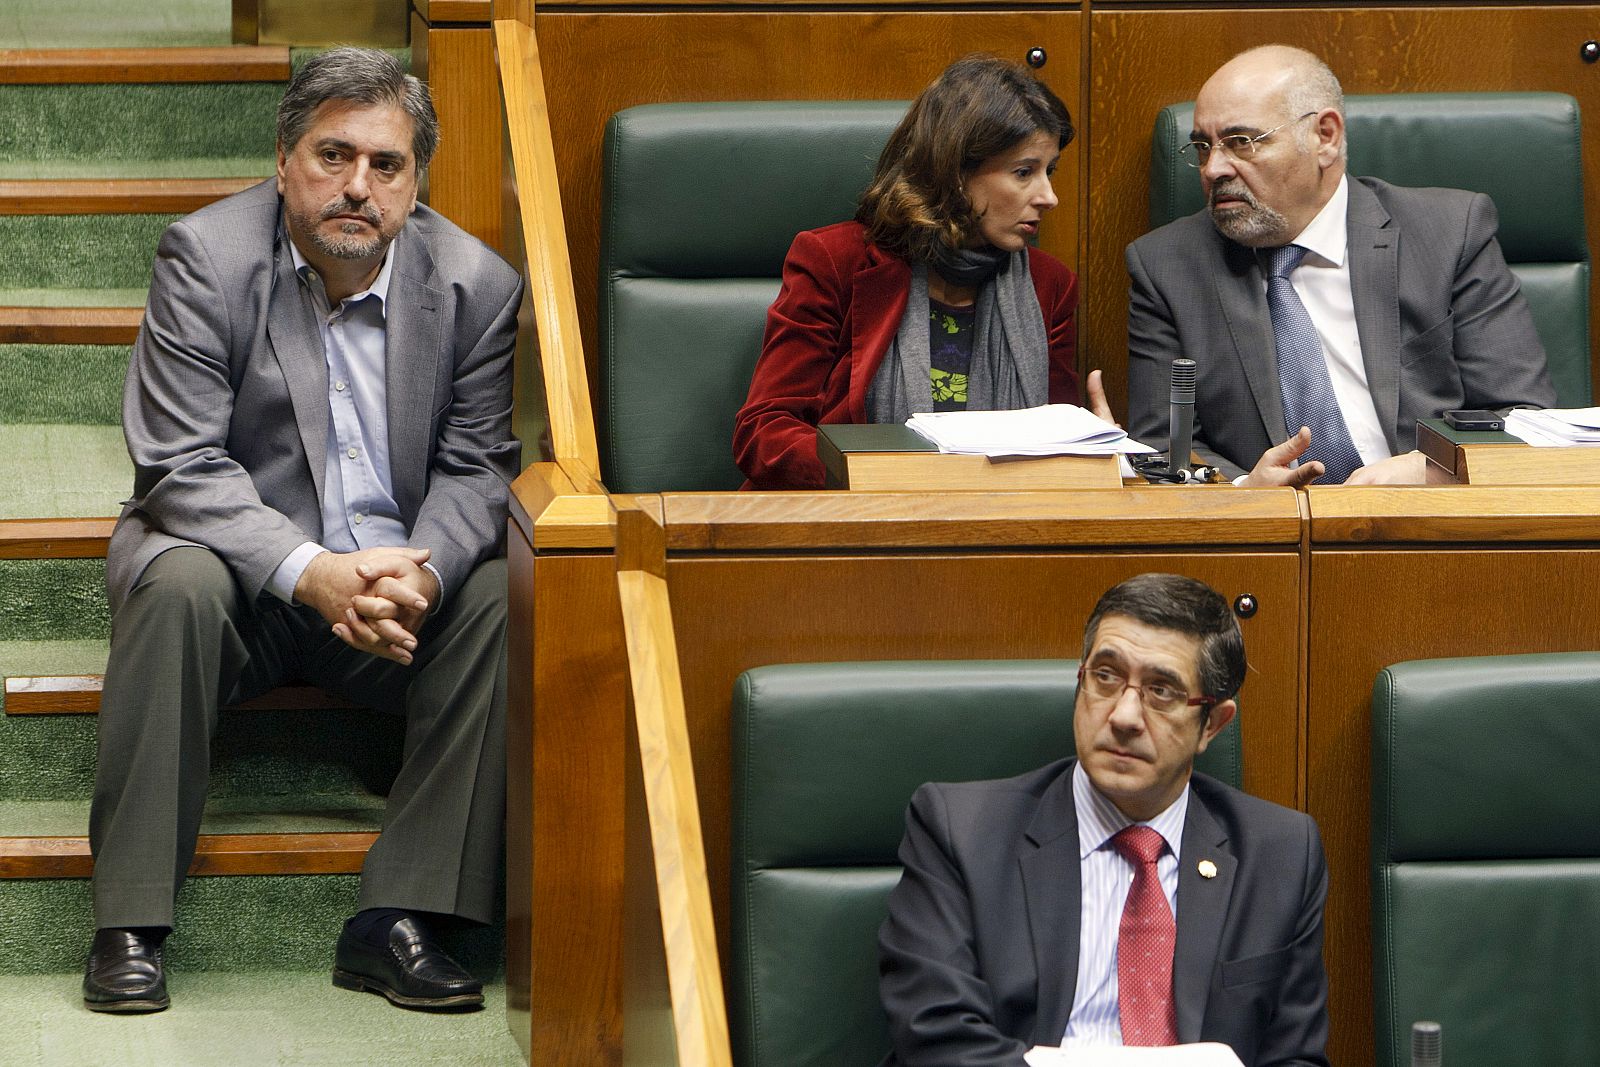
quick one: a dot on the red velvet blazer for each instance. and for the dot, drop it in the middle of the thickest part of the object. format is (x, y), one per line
(838, 309)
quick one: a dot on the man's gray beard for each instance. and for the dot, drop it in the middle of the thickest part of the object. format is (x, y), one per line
(1253, 225)
(348, 246)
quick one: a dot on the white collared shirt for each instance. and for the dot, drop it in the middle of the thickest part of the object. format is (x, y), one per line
(1105, 878)
(1322, 282)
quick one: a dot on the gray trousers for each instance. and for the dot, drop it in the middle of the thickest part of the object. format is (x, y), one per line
(186, 642)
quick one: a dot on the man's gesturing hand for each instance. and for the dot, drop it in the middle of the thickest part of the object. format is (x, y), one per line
(333, 582)
(1273, 467)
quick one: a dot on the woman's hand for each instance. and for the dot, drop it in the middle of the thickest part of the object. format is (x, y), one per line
(1097, 398)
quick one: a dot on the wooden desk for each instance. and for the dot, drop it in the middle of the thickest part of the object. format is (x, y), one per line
(794, 577)
(1457, 457)
(896, 457)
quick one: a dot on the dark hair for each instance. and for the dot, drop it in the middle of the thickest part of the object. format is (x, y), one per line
(1173, 602)
(979, 107)
(365, 76)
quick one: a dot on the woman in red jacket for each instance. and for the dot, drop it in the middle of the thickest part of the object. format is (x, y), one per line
(930, 299)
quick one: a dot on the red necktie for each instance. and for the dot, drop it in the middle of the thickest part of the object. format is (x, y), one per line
(1144, 945)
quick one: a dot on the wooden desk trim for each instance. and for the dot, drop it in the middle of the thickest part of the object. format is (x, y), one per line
(1455, 514)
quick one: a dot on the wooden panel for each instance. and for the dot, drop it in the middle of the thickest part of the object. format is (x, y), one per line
(1372, 50)
(579, 670)
(54, 538)
(464, 179)
(439, 12)
(216, 854)
(1201, 516)
(733, 614)
(128, 196)
(767, 55)
(1496, 514)
(1373, 608)
(69, 326)
(80, 65)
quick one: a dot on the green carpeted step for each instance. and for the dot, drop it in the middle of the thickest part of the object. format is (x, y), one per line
(350, 753)
(192, 167)
(79, 251)
(53, 599)
(301, 813)
(51, 471)
(69, 124)
(62, 384)
(248, 1020)
(115, 23)
(73, 298)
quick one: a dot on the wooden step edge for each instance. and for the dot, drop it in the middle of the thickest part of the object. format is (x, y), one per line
(116, 196)
(55, 538)
(79, 694)
(216, 854)
(82, 66)
(69, 325)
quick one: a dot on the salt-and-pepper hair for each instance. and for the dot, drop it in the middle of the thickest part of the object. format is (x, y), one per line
(366, 76)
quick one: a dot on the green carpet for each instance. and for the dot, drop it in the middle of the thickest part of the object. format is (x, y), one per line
(79, 251)
(115, 23)
(192, 167)
(53, 599)
(307, 813)
(52, 471)
(73, 298)
(248, 1020)
(62, 383)
(138, 122)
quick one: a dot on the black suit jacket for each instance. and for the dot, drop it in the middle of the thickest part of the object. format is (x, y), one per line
(1441, 318)
(980, 949)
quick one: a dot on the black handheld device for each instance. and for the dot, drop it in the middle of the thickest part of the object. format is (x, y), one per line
(1474, 419)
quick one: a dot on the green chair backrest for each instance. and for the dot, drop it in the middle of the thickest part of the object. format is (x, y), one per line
(1486, 858)
(825, 759)
(700, 205)
(1522, 150)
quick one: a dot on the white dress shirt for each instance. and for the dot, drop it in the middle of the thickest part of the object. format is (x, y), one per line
(1106, 878)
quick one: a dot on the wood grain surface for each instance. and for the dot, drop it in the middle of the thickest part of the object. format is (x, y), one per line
(464, 179)
(46, 66)
(55, 538)
(69, 325)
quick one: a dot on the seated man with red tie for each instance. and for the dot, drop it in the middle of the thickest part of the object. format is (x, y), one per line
(1117, 898)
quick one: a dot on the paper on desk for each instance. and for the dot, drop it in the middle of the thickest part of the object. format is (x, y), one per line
(1555, 427)
(1205, 1054)
(1051, 430)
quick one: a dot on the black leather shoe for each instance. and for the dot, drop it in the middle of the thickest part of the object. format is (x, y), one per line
(411, 970)
(124, 973)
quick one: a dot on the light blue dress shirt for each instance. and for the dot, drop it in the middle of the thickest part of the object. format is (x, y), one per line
(358, 505)
(1106, 877)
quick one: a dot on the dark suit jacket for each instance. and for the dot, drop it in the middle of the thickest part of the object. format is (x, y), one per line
(1441, 319)
(979, 954)
(827, 332)
(226, 404)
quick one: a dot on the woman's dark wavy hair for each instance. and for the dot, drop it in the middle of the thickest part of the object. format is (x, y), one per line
(979, 107)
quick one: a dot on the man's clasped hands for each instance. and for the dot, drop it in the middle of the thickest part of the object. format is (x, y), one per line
(376, 600)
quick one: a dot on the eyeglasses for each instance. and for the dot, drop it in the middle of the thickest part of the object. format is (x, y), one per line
(1163, 698)
(1238, 146)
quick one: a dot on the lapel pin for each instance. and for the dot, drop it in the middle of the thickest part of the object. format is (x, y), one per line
(1207, 869)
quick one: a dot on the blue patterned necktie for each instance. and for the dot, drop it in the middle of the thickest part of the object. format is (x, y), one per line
(1308, 398)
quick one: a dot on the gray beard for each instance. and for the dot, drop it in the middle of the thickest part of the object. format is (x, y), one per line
(1253, 225)
(348, 245)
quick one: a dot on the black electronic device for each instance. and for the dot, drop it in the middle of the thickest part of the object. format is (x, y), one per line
(1474, 419)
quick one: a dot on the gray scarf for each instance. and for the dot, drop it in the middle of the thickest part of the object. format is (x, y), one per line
(1010, 351)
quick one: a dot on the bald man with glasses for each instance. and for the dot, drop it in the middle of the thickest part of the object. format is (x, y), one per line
(1116, 898)
(1327, 313)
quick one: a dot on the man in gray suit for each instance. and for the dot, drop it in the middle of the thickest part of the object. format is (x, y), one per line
(318, 411)
(1343, 308)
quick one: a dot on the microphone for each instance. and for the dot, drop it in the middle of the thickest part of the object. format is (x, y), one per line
(1427, 1042)
(1180, 428)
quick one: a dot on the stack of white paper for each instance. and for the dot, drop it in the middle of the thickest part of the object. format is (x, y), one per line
(1052, 430)
(1204, 1054)
(1555, 426)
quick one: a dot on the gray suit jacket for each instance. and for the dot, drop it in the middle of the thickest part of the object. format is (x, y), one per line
(979, 954)
(1441, 319)
(225, 409)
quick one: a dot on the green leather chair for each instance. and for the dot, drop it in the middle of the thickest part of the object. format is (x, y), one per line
(825, 759)
(1523, 150)
(1486, 858)
(700, 205)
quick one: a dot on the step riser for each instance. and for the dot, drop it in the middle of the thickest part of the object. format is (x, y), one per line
(79, 251)
(62, 383)
(54, 599)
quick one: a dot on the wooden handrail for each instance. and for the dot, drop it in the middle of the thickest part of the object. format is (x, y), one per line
(665, 786)
(544, 242)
